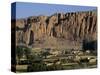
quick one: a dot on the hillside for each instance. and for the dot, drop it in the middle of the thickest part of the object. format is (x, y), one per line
(60, 30)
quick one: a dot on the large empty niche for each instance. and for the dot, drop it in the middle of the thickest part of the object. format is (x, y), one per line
(31, 38)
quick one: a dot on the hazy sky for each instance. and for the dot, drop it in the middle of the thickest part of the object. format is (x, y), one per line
(34, 9)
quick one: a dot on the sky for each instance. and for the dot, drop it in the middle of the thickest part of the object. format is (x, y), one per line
(24, 9)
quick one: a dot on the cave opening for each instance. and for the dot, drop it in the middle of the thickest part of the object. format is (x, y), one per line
(31, 38)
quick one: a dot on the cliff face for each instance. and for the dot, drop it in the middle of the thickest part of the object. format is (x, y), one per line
(58, 29)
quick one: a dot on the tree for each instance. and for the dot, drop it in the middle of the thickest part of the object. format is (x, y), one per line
(19, 52)
(24, 51)
(37, 67)
(89, 45)
(45, 54)
(29, 55)
(27, 52)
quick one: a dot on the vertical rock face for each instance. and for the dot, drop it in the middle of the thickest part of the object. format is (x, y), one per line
(75, 26)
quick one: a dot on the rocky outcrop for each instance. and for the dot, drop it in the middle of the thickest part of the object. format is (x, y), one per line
(73, 26)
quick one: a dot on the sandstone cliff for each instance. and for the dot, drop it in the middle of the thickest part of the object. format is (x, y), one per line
(58, 30)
